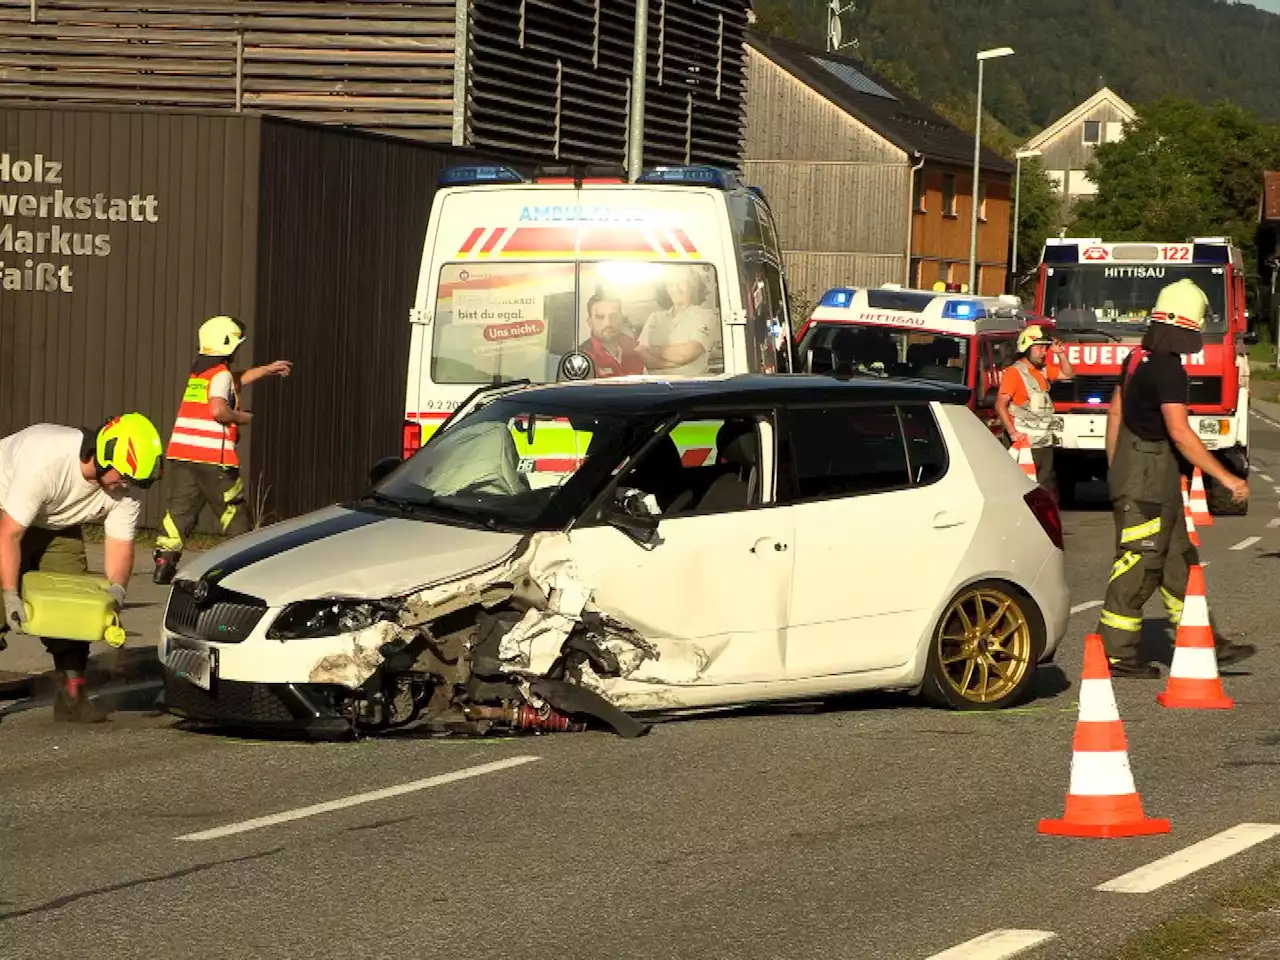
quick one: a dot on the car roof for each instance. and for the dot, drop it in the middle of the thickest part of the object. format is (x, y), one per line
(634, 394)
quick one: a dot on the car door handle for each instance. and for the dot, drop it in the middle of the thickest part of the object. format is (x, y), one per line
(945, 518)
(764, 543)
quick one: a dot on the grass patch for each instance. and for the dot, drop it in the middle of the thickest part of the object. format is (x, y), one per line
(1263, 353)
(146, 537)
(1237, 918)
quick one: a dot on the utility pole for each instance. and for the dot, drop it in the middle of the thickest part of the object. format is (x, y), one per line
(639, 68)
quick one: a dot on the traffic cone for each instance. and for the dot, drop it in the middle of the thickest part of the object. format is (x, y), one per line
(1021, 452)
(1186, 513)
(1102, 800)
(1200, 501)
(1193, 676)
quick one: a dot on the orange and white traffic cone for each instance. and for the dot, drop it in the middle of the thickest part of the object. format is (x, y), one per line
(1021, 452)
(1193, 676)
(1200, 501)
(1102, 800)
(1186, 513)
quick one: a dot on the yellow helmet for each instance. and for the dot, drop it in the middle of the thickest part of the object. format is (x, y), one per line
(131, 444)
(219, 336)
(1029, 337)
(1182, 304)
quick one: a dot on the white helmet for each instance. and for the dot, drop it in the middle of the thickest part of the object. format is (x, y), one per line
(220, 336)
(1029, 337)
(1182, 304)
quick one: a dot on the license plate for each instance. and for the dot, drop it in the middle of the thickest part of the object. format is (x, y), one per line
(194, 666)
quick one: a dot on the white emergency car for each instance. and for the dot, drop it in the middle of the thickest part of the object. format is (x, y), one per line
(912, 554)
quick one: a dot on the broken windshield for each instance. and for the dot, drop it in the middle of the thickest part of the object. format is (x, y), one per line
(509, 465)
(1099, 295)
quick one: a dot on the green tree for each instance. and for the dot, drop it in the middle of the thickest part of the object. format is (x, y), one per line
(1039, 217)
(1182, 170)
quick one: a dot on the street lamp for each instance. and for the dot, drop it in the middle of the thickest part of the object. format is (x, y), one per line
(1017, 197)
(983, 57)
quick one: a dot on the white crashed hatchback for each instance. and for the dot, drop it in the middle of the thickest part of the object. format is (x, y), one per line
(600, 553)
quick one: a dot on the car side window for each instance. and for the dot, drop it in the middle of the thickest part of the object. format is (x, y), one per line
(707, 465)
(926, 451)
(993, 358)
(840, 451)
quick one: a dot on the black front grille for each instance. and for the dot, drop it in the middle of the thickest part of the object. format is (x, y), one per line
(1200, 390)
(225, 617)
(230, 702)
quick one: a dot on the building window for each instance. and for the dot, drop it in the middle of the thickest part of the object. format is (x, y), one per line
(914, 280)
(948, 194)
(917, 192)
(1092, 131)
(982, 201)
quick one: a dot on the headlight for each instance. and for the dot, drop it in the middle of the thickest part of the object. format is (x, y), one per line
(324, 618)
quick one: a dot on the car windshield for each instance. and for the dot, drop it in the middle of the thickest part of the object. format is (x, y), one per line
(1100, 295)
(483, 469)
(889, 352)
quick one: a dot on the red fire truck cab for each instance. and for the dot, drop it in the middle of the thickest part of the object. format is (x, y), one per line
(1098, 296)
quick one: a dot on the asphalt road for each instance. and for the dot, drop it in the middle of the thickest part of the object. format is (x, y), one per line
(874, 828)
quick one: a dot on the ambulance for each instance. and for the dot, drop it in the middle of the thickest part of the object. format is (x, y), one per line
(565, 275)
(1098, 295)
(893, 331)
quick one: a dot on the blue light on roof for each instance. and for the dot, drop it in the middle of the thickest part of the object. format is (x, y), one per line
(701, 176)
(837, 297)
(467, 175)
(1094, 400)
(963, 310)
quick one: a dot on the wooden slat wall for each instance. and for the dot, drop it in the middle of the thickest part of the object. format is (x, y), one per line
(124, 336)
(382, 65)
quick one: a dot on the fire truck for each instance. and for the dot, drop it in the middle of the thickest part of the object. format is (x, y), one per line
(1098, 296)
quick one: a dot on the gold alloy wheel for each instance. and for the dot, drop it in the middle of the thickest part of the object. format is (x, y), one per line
(984, 645)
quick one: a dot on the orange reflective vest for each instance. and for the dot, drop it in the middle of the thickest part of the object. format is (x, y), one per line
(197, 437)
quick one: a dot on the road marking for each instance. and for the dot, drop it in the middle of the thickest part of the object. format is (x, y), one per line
(1246, 543)
(1190, 859)
(1276, 489)
(1266, 478)
(357, 799)
(1087, 605)
(996, 945)
(1274, 522)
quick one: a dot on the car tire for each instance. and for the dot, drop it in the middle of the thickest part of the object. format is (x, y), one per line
(942, 686)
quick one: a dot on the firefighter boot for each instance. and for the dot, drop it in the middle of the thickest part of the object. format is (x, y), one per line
(166, 566)
(1231, 651)
(72, 704)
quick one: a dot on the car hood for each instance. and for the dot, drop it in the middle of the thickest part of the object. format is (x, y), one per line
(338, 552)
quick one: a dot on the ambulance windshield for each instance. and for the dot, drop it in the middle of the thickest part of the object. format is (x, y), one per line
(886, 352)
(1091, 295)
(503, 321)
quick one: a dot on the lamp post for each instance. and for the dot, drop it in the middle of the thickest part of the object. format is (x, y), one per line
(1017, 198)
(639, 65)
(983, 57)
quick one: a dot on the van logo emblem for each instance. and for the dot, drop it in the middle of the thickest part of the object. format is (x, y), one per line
(200, 592)
(576, 365)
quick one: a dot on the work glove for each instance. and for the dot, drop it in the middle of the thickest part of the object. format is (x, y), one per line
(117, 594)
(15, 614)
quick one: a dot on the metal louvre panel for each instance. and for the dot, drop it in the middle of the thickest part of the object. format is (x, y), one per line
(228, 619)
(572, 58)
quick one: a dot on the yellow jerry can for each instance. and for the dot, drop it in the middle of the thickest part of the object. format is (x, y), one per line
(71, 607)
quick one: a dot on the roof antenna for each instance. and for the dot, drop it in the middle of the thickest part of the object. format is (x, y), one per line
(835, 32)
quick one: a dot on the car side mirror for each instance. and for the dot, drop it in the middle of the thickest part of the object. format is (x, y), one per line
(635, 513)
(819, 360)
(382, 468)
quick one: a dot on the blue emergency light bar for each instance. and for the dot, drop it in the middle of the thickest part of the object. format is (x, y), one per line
(963, 310)
(461, 176)
(1058, 253)
(837, 297)
(701, 176)
(1210, 253)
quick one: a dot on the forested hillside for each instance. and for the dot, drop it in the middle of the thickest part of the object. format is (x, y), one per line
(1204, 50)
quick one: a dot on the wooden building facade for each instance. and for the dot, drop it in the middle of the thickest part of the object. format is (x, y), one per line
(542, 79)
(869, 186)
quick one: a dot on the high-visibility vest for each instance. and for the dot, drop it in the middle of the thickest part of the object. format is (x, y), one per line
(197, 437)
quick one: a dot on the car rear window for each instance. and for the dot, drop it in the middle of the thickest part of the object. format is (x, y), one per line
(840, 451)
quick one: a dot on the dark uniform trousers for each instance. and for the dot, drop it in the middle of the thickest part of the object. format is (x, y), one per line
(1046, 476)
(1153, 550)
(191, 486)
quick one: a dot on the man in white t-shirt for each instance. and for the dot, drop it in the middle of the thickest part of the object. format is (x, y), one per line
(203, 463)
(54, 479)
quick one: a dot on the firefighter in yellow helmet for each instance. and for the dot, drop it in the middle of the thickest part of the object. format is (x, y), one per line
(53, 479)
(1023, 403)
(1147, 428)
(203, 464)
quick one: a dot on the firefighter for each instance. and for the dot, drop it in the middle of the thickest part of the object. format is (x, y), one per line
(1146, 428)
(203, 466)
(1023, 403)
(53, 479)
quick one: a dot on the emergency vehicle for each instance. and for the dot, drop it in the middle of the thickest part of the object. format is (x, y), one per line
(893, 331)
(569, 275)
(1098, 296)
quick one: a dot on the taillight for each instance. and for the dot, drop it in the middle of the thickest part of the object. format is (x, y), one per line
(1045, 508)
(411, 441)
